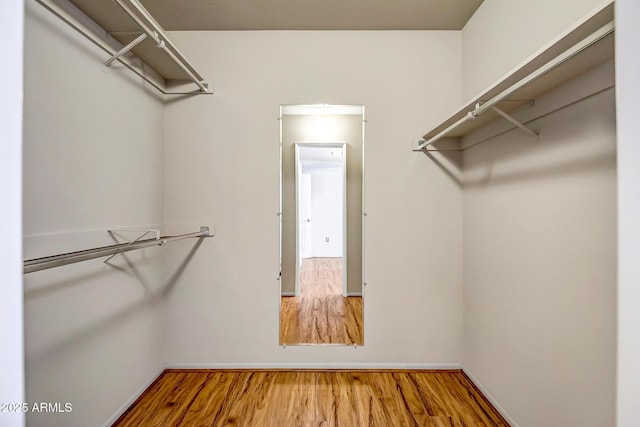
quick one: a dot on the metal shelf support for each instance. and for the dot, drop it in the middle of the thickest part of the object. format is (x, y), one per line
(517, 123)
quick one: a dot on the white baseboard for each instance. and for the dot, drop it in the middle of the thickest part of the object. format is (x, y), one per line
(132, 399)
(490, 398)
(354, 294)
(407, 366)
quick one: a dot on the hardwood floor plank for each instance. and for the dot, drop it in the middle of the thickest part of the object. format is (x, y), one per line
(175, 394)
(483, 407)
(385, 388)
(414, 402)
(312, 398)
(206, 407)
(321, 314)
(342, 409)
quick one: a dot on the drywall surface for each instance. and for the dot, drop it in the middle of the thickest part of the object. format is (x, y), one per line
(342, 128)
(11, 312)
(540, 261)
(326, 210)
(628, 91)
(224, 168)
(92, 162)
(503, 33)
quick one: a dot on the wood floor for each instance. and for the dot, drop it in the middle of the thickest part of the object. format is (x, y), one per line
(311, 398)
(321, 315)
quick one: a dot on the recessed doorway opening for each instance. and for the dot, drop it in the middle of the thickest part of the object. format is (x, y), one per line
(321, 216)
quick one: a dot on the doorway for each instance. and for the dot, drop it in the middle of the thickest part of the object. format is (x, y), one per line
(321, 212)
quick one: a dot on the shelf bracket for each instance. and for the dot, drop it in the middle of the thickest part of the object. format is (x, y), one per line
(517, 123)
(126, 49)
(144, 234)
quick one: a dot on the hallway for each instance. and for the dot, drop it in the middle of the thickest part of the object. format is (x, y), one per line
(321, 315)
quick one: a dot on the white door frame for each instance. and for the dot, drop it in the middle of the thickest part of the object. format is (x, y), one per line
(343, 146)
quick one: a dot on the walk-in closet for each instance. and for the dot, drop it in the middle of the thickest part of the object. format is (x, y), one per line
(327, 213)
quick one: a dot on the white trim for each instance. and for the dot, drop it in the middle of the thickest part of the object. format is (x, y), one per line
(311, 366)
(322, 110)
(12, 356)
(354, 294)
(126, 405)
(628, 192)
(345, 219)
(363, 217)
(288, 294)
(296, 177)
(489, 397)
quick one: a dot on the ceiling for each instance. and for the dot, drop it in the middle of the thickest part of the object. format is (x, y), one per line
(217, 15)
(199, 15)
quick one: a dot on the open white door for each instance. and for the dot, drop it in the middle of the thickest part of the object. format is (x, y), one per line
(304, 220)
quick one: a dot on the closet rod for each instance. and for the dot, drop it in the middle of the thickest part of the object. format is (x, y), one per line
(554, 63)
(153, 30)
(79, 21)
(52, 261)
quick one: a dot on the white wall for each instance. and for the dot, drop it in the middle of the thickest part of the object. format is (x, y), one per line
(540, 258)
(224, 167)
(12, 354)
(503, 33)
(93, 160)
(537, 326)
(326, 212)
(628, 93)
